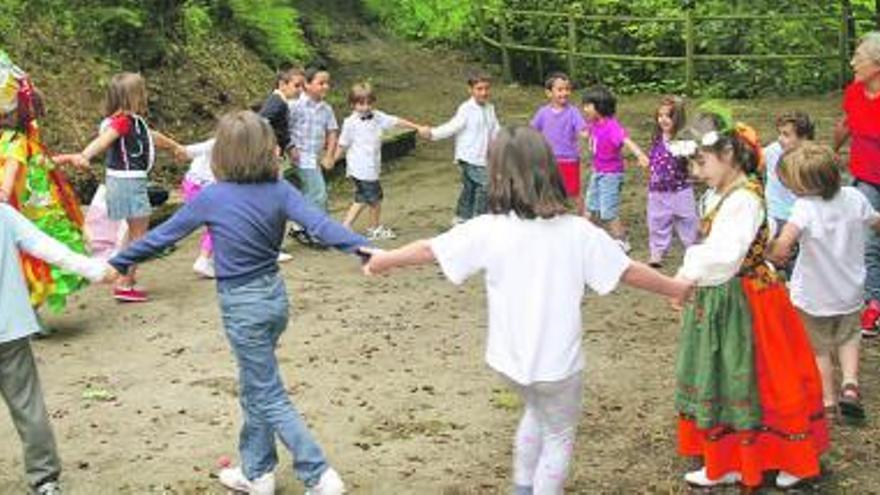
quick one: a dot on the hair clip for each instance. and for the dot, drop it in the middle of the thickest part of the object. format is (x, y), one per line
(682, 148)
(710, 138)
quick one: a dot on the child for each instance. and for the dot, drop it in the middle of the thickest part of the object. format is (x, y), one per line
(130, 147)
(608, 138)
(829, 275)
(361, 139)
(794, 128)
(534, 338)
(19, 381)
(288, 86)
(748, 395)
(198, 177)
(246, 211)
(561, 123)
(32, 184)
(671, 203)
(474, 126)
(861, 123)
(314, 131)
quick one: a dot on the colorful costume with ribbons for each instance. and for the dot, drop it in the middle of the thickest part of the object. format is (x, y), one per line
(748, 391)
(40, 191)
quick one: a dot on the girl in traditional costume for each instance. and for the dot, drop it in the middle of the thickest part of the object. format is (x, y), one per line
(31, 183)
(748, 392)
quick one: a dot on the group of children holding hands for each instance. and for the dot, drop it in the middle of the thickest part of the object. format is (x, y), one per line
(755, 388)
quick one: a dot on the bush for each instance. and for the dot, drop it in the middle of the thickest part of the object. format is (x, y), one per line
(269, 27)
(430, 20)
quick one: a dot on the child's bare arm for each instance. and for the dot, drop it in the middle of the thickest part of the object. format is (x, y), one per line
(780, 249)
(401, 122)
(841, 133)
(415, 253)
(10, 170)
(330, 154)
(641, 276)
(97, 146)
(637, 151)
(166, 143)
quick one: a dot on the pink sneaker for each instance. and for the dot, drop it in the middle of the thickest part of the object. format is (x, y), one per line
(129, 294)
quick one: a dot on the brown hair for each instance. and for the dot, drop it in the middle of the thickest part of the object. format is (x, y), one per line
(801, 122)
(478, 77)
(556, 76)
(127, 92)
(361, 93)
(244, 151)
(286, 75)
(523, 177)
(677, 114)
(810, 170)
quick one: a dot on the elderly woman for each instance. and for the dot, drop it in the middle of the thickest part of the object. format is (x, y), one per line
(861, 124)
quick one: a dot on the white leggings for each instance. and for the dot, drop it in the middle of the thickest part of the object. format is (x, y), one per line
(545, 438)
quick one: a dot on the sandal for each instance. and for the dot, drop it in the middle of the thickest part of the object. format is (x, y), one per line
(831, 413)
(851, 403)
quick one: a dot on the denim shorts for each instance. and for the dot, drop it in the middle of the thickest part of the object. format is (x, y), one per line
(603, 195)
(127, 198)
(367, 191)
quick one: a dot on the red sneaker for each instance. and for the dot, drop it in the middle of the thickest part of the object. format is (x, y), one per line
(129, 294)
(870, 317)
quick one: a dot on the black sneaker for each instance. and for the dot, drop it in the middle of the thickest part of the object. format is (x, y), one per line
(300, 236)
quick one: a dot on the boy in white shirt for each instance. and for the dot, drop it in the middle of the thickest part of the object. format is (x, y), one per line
(830, 223)
(361, 139)
(474, 126)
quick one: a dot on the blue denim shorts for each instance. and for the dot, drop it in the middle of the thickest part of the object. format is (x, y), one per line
(127, 198)
(603, 195)
(367, 191)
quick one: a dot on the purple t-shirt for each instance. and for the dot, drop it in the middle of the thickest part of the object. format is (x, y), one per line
(668, 173)
(607, 137)
(560, 128)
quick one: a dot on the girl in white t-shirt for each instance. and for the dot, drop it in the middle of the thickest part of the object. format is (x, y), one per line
(537, 258)
(198, 177)
(827, 284)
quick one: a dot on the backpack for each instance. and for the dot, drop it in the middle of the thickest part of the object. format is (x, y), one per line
(134, 152)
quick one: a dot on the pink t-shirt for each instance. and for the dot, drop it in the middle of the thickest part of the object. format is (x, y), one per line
(607, 137)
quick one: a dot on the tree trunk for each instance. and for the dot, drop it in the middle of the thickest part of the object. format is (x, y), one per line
(846, 6)
(877, 14)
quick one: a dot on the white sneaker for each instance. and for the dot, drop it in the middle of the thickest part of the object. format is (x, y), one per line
(699, 478)
(284, 257)
(785, 480)
(204, 267)
(329, 484)
(233, 478)
(381, 233)
(48, 488)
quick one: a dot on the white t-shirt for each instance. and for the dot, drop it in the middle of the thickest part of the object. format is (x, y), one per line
(535, 273)
(200, 168)
(829, 274)
(362, 137)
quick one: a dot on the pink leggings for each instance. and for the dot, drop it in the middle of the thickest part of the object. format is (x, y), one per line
(190, 191)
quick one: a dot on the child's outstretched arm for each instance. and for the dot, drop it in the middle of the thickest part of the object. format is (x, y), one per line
(332, 145)
(166, 143)
(780, 249)
(40, 245)
(636, 150)
(415, 253)
(641, 276)
(7, 182)
(96, 147)
(449, 129)
(319, 224)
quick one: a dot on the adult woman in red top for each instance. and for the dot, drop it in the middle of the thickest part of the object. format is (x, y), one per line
(861, 124)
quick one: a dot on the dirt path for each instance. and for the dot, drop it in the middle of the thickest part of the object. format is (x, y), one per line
(388, 372)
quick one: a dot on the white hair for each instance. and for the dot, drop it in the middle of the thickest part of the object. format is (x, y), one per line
(870, 43)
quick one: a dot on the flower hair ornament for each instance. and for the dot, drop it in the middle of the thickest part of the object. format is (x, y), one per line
(747, 135)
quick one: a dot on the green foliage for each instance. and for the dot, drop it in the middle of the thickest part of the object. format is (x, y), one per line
(431, 20)
(270, 27)
(197, 21)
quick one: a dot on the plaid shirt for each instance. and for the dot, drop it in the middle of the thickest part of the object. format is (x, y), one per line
(310, 121)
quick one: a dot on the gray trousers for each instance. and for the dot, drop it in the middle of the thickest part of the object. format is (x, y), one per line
(872, 244)
(20, 387)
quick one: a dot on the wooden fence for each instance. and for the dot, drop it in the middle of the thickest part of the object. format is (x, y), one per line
(690, 21)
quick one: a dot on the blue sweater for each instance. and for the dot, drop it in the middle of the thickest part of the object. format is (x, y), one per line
(247, 223)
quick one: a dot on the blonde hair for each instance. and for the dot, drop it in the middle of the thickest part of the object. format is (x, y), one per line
(810, 170)
(361, 93)
(127, 92)
(244, 150)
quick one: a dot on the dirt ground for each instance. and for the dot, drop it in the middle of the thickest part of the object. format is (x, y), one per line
(388, 371)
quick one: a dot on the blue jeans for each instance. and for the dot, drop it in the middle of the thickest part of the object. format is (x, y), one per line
(474, 185)
(872, 243)
(313, 186)
(603, 195)
(254, 316)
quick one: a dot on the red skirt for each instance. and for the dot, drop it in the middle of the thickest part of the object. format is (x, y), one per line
(570, 173)
(793, 432)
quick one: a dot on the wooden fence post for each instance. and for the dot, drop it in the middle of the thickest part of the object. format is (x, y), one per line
(843, 47)
(572, 40)
(689, 51)
(506, 72)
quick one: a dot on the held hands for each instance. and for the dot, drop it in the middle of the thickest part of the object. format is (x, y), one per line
(180, 154)
(328, 162)
(644, 162)
(424, 132)
(375, 261)
(77, 160)
(684, 291)
(110, 274)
